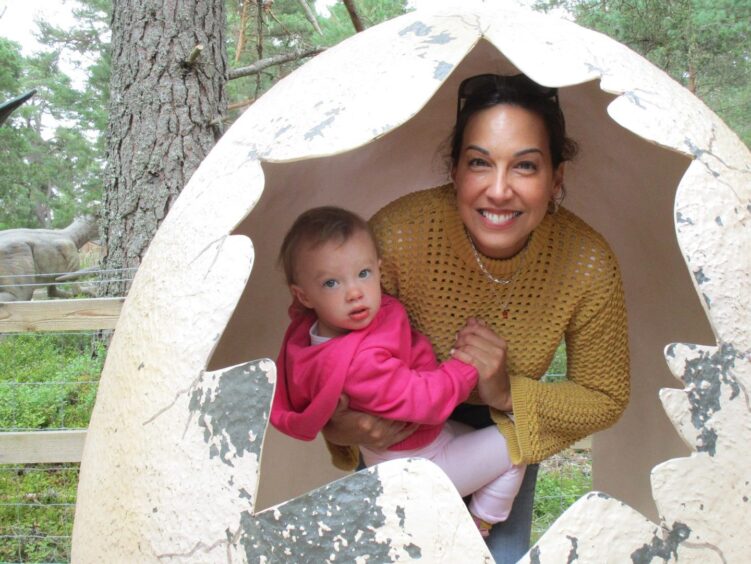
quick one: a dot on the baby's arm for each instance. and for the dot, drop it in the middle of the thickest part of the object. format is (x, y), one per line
(384, 385)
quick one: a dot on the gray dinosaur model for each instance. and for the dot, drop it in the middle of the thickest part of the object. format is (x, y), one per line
(30, 257)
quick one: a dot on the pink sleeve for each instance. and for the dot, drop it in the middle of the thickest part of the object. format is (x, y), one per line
(384, 385)
(423, 357)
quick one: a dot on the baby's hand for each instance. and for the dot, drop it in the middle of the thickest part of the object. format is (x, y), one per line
(465, 351)
(479, 346)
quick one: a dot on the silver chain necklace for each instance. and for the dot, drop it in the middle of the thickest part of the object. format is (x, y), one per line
(500, 281)
(486, 272)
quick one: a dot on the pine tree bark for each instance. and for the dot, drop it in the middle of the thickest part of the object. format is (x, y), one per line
(162, 116)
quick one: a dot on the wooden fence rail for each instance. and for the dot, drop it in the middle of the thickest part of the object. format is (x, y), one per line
(37, 447)
(60, 315)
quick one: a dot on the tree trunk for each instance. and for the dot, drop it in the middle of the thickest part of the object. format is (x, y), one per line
(353, 15)
(161, 113)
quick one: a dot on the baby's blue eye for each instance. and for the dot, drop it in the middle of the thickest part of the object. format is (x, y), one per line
(365, 273)
(331, 283)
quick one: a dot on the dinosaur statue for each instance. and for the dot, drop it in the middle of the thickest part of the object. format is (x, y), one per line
(7, 108)
(29, 257)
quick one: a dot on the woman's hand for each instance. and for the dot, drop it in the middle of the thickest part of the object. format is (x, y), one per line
(480, 346)
(347, 428)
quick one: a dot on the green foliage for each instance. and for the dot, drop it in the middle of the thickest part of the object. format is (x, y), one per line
(48, 381)
(703, 44)
(36, 507)
(557, 370)
(558, 487)
(52, 146)
(338, 26)
(11, 63)
(281, 28)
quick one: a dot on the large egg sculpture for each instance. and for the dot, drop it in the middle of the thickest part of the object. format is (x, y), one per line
(172, 468)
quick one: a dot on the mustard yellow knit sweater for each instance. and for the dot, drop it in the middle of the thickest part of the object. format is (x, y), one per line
(568, 286)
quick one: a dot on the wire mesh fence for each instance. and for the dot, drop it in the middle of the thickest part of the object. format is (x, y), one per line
(37, 503)
(48, 381)
(87, 282)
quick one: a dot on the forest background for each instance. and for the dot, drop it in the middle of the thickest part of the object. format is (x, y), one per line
(54, 148)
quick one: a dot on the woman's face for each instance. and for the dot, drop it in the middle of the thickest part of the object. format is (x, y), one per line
(504, 178)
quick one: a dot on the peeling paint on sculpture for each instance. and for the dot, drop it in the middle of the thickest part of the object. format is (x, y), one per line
(173, 456)
(232, 407)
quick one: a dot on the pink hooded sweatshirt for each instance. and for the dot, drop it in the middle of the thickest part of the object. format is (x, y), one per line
(387, 369)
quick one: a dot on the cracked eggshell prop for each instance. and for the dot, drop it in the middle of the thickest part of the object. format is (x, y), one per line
(171, 464)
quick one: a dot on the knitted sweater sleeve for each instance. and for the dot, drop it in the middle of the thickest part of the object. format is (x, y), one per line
(549, 416)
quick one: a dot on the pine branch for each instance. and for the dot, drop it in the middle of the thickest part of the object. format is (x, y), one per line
(258, 66)
(310, 16)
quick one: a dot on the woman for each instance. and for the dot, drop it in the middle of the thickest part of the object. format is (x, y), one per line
(495, 246)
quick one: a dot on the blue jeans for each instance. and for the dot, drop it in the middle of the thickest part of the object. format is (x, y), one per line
(508, 541)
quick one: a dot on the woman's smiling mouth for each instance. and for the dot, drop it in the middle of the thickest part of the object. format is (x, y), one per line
(499, 218)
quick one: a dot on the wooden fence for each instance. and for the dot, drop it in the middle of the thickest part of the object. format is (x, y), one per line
(37, 447)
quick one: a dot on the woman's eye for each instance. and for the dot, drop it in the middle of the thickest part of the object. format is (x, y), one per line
(477, 162)
(365, 273)
(527, 165)
(331, 283)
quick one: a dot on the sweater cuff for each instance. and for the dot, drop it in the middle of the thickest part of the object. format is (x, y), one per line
(516, 432)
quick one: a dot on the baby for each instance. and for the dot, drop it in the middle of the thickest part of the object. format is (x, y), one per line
(345, 337)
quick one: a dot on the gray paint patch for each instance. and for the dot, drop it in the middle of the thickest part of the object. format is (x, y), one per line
(400, 513)
(705, 377)
(718, 221)
(635, 99)
(442, 69)
(573, 554)
(662, 548)
(281, 131)
(233, 409)
(418, 28)
(700, 276)
(534, 555)
(414, 551)
(338, 520)
(317, 131)
(679, 218)
(440, 39)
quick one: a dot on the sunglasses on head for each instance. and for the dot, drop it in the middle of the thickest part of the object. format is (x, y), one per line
(474, 84)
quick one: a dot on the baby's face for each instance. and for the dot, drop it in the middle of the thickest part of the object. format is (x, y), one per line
(341, 282)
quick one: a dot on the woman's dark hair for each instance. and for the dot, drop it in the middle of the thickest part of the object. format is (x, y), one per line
(484, 91)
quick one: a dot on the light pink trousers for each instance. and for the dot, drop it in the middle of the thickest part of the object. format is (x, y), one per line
(476, 461)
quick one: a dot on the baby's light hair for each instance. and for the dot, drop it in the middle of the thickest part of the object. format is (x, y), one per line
(316, 227)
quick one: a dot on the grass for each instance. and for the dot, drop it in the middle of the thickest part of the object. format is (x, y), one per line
(47, 381)
(36, 512)
(562, 480)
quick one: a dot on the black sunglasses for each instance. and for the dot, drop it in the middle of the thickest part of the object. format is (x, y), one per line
(481, 82)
